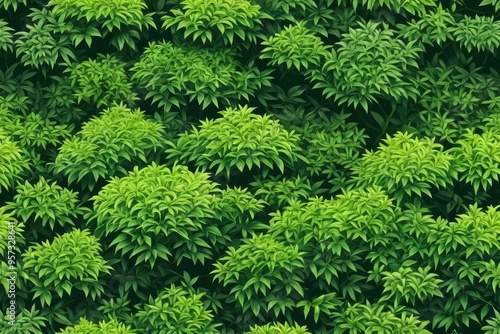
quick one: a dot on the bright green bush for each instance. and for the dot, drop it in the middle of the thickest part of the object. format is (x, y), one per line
(175, 311)
(12, 162)
(27, 322)
(278, 328)
(87, 327)
(479, 33)
(105, 143)
(406, 166)
(216, 21)
(70, 261)
(295, 46)
(101, 81)
(175, 75)
(369, 63)
(45, 205)
(159, 213)
(238, 140)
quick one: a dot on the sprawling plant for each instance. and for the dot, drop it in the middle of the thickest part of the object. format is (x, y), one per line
(406, 166)
(70, 261)
(101, 81)
(175, 75)
(45, 205)
(106, 143)
(87, 327)
(213, 21)
(295, 46)
(159, 213)
(238, 140)
(368, 63)
(175, 310)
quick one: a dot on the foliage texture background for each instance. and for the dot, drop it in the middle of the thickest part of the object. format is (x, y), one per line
(251, 166)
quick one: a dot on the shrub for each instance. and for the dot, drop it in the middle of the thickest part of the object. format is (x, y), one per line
(158, 212)
(28, 321)
(216, 20)
(101, 81)
(45, 204)
(239, 139)
(6, 41)
(479, 33)
(406, 166)
(278, 328)
(105, 143)
(368, 63)
(175, 75)
(295, 46)
(175, 310)
(71, 260)
(12, 162)
(86, 327)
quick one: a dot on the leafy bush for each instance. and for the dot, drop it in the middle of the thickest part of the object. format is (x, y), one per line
(101, 81)
(45, 204)
(414, 7)
(216, 20)
(369, 63)
(296, 46)
(159, 213)
(278, 328)
(87, 327)
(12, 162)
(406, 166)
(175, 310)
(105, 143)
(480, 33)
(71, 260)
(239, 139)
(27, 322)
(171, 74)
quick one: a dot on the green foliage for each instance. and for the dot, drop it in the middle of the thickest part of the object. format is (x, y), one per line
(6, 218)
(296, 46)
(368, 318)
(278, 328)
(414, 7)
(12, 162)
(7, 4)
(86, 327)
(493, 326)
(477, 158)
(175, 311)
(434, 28)
(494, 3)
(6, 41)
(71, 260)
(367, 64)
(263, 274)
(479, 33)
(410, 285)
(38, 46)
(121, 18)
(238, 139)
(287, 10)
(157, 212)
(28, 321)
(105, 143)
(45, 204)
(216, 20)
(406, 166)
(278, 192)
(101, 81)
(174, 76)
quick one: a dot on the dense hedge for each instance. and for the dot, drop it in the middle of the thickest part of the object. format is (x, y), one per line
(250, 166)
